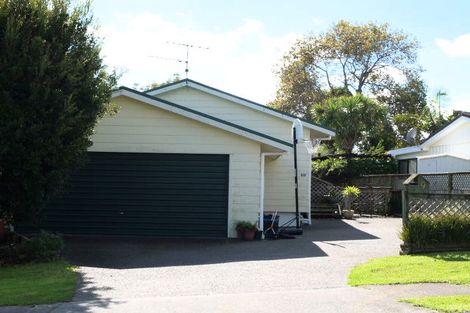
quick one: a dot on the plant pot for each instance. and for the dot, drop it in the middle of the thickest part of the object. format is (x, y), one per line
(3, 231)
(247, 234)
(348, 214)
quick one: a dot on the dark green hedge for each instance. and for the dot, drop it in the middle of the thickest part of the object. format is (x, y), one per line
(423, 231)
(342, 168)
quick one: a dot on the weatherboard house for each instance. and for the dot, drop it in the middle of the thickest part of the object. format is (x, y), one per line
(186, 160)
(446, 151)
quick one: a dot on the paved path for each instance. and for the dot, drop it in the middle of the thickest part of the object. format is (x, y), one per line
(308, 274)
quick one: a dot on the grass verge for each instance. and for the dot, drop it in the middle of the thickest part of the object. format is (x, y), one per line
(442, 303)
(37, 283)
(448, 267)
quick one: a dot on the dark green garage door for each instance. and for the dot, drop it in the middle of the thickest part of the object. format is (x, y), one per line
(169, 195)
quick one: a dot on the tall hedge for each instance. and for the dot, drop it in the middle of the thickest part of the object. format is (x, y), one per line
(425, 231)
(341, 168)
(53, 87)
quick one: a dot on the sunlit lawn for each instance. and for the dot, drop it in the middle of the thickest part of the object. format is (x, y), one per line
(37, 283)
(449, 267)
(443, 303)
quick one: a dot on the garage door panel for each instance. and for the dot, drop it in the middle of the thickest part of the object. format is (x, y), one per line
(123, 181)
(148, 186)
(151, 165)
(144, 194)
(174, 197)
(154, 205)
(169, 171)
(145, 175)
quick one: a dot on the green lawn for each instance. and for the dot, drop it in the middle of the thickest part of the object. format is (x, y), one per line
(37, 283)
(449, 267)
(443, 304)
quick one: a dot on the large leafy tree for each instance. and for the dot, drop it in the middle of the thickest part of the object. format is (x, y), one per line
(350, 59)
(53, 88)
(356, 119)
(370, 59)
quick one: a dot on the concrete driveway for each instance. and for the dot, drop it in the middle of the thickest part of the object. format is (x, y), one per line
(307, 274)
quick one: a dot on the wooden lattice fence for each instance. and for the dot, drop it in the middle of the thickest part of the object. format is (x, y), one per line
(372, 200)
(434, 195)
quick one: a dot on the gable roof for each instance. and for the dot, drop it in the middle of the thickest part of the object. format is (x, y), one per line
(463, 117)
(203, 117)
(457, 121)
(231, 97)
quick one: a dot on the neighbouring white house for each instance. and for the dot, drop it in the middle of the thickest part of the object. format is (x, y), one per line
(186, 159)
(446, 151)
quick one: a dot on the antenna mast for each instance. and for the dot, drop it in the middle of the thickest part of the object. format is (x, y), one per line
(187, 45)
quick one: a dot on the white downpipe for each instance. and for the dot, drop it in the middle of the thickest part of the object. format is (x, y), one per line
(261, 194)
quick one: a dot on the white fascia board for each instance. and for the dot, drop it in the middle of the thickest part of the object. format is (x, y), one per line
(199, 118)
(246, 103)
(443, 155)
(166, 89)
(449, 128)
(406, 150)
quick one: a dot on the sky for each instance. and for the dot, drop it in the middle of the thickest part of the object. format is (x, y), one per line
(239, 44)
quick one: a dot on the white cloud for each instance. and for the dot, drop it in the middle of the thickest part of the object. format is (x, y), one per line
(458, 47)
(240, 61)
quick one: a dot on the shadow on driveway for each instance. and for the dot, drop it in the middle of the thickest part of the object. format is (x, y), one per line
(125, 253)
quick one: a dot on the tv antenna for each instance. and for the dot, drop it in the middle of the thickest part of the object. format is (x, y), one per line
(439, 95)
(185, 61)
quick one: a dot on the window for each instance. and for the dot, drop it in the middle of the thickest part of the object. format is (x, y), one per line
(409, 166)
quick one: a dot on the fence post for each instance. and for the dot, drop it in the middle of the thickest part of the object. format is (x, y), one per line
(405, 197)
(404, 204)
(450, 183)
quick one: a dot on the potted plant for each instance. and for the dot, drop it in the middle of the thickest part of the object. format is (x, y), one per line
(246, 230)
(349, 194)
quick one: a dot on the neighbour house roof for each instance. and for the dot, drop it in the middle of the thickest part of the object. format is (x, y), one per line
(463, 117)
(239, 100)
(203, 117)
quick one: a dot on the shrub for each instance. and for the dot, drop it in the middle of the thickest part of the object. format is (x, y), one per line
(351, 191)
(246, 225)
(425, 231)
(42, 248)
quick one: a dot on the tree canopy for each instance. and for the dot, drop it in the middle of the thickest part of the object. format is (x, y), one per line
(356, 59)
(355, 119)
(53, 88)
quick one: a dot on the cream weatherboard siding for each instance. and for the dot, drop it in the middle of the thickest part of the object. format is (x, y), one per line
(279, 182)
(232, 112)
(139, 127)
(279, 173)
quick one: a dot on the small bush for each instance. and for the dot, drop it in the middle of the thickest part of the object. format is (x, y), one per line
(351, 191)
(246, 225)
(42, 248)
(424, 231)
